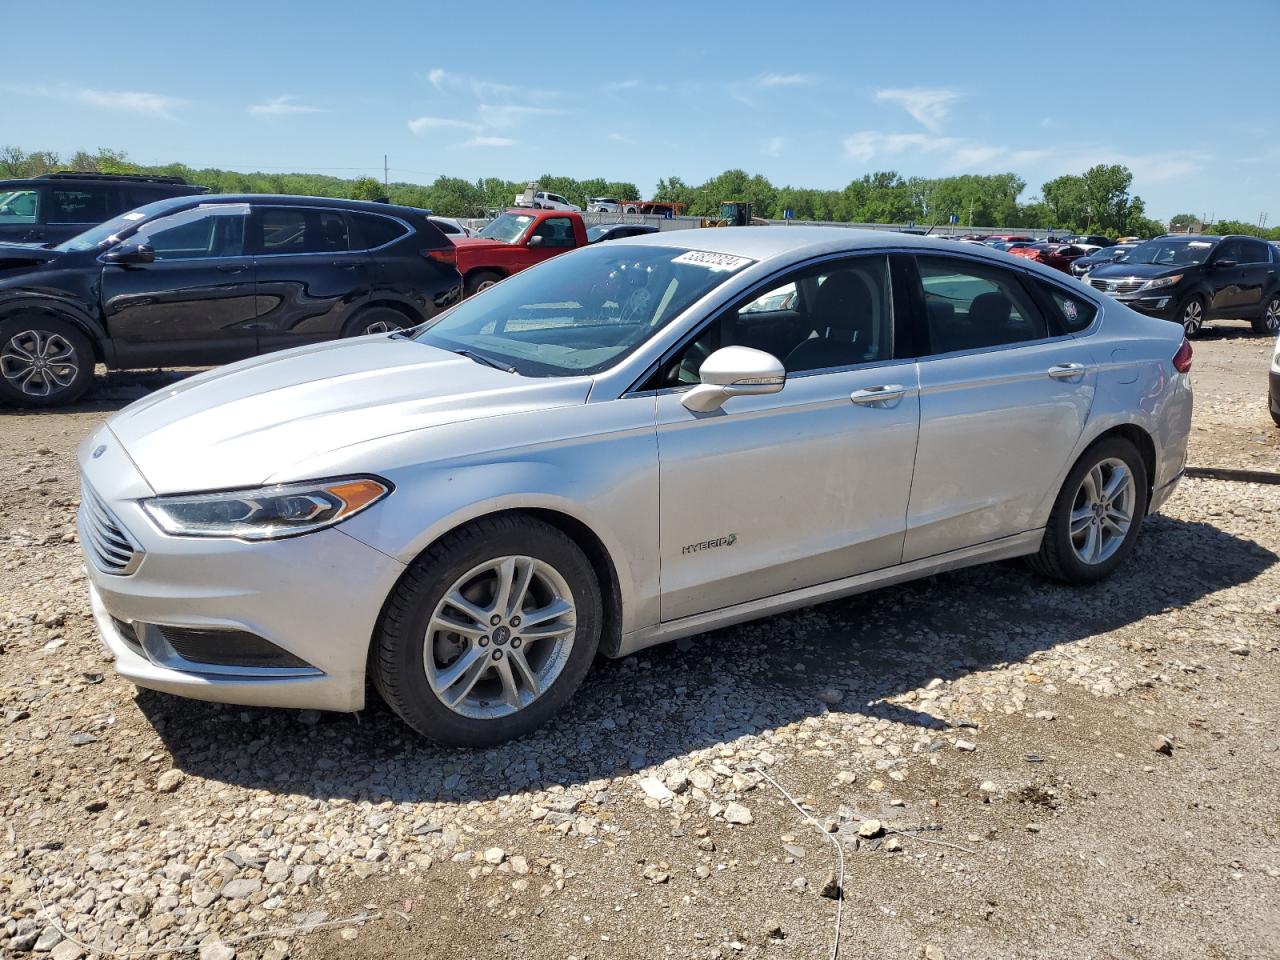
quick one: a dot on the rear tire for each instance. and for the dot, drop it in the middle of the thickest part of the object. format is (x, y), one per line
(415, 647)
(480, 280)
(1269, 321)
(374, 320)
(44, 362)
(1069, 551)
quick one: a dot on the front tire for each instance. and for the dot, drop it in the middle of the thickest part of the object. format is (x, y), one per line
(1191, 315)
(374, 320)
(489, 632)
(44, 362)
(1096, 518)
(1269, 322)
(480, 280)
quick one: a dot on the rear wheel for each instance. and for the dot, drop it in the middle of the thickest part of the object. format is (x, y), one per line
(1097, 515)
(481, 280)
(1269, 321)
(374, 320)
(1191, 315)
(44, 362)
(489, 632)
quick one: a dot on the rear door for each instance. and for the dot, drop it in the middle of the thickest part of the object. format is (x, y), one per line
(1004, 396)
(310, 280)
(195, 304)
(1257, 274)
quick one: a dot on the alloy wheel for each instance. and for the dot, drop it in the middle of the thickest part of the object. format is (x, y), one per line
(1102, 511)
(39, 363)
(380, 326)
(500, 637)
(1271, 319)
(1192, 317)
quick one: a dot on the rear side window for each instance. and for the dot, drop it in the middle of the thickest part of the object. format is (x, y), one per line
(374, 231)
(81, 205)
(18, 206)
(300, 230)
(1072, 313)
(971, 306)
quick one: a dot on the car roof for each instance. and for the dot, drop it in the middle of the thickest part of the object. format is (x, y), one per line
(286, 200)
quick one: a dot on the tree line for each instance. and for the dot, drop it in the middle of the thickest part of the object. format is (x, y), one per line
(1097, 201)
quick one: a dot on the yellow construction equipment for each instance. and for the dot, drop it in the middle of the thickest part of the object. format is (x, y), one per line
(734, 213)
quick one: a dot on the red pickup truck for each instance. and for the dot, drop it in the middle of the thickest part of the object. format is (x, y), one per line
(515, 240)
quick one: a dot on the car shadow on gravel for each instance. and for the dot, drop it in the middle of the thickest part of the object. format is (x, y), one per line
(731, 683)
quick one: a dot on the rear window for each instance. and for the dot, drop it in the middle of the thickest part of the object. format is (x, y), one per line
(1072, 313)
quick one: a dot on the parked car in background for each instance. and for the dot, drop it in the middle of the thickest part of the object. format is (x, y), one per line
(451, 226)
(206, 280)
(1091, 239)
(1193, 279)
(604, 205)
(616, 231)
(57, 206)
(1273, 386)
(603, 453)
(996, 239)
(541, 200)
(515, 240)
(1099, 257)
(1059, 256)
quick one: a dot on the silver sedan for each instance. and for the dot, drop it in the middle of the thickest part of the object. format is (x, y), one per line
(631, 443)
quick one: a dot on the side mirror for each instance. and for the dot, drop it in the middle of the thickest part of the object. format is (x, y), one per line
(1225, 264)
(734, 372)
(536, 241)
(127, 254)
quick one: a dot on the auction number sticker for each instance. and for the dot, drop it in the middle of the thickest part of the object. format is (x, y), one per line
(712, 261)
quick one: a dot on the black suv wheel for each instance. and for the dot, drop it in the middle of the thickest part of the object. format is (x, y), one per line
(44, 362)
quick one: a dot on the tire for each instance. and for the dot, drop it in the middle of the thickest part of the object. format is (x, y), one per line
(1191, 315)
(1268, 323)
(409, 631)
(44, 362)
(480, 280)
(1273, 409)
(374, 320)
(1060, 555)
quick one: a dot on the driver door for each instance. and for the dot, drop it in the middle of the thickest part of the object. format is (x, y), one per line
(775, 493)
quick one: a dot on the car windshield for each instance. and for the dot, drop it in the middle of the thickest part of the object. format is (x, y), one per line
(507, 228)
(582, 312)
(1174, 253)
(595, 233)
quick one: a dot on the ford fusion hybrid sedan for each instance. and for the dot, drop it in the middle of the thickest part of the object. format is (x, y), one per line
(638, 441)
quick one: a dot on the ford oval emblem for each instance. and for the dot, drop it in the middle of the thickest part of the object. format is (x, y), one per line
(99, 450)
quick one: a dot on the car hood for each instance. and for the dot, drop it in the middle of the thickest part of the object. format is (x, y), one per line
(1146, 271)
(474, 242)
(21, 257)
(241, 424)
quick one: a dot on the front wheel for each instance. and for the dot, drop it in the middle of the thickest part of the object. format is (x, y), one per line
(1269, 322)
(489, 632)
(44, 362)
(1097, 515)
(480, 280)
(1191, 315)
(374, 320)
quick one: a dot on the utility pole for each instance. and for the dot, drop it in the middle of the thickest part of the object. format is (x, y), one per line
(385, 172)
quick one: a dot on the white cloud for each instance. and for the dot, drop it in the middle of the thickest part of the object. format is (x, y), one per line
(773, 146)
(128, 101)
(281, 106)
(438, 77)
(421, 125)
(619, 138)
(785, 79)
(928, 105)
(509, 114)
(489, 142)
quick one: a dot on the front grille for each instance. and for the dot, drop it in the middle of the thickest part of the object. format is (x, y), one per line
(1117, 286)
(107, 543)
(227, 648)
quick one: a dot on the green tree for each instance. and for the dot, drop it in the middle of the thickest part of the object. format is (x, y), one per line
(1182, 222)
(366, 188)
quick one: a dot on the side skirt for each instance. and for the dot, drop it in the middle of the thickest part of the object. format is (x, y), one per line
(1015, 546)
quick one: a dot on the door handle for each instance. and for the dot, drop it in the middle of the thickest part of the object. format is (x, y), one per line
(1067, 371)
(885, 393)
(232, 267)
(345, 266)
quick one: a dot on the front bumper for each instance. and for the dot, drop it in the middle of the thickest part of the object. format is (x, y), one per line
(1273, 392)
(1154, 303)
(316, 597)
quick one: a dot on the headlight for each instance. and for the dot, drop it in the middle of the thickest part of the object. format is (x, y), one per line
(1159, 282)
(266, 513)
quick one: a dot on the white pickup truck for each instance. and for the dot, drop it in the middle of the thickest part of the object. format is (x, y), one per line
(541, 200)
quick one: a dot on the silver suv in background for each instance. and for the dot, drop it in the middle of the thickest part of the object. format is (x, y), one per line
(637, 441)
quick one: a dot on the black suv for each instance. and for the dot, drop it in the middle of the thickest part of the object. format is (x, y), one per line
(57, 206)
(196, 281)
(1194, 279)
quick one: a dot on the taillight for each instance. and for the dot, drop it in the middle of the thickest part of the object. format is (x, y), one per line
(449, 256)
(1182, 359)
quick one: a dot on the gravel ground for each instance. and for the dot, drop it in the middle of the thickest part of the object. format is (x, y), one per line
(1012, 768)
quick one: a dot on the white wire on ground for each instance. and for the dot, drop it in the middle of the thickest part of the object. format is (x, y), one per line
(835, 946)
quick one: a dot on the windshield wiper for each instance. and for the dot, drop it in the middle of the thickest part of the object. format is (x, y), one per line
(487, 361)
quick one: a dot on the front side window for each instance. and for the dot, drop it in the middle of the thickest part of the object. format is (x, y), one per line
(18, 206)
(1255, 251)
(556, 232)
(197, 234)
(582, 312)
(970, 306)
(507, 228)
(80, 205)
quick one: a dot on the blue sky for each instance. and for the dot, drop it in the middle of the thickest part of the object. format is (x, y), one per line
(808, 94)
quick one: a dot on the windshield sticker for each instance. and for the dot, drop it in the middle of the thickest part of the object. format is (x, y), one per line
(712, 261)
(1199, 243)
(133, 216)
